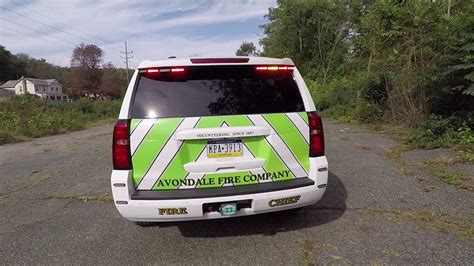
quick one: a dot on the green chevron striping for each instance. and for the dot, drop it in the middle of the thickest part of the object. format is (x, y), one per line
(134, 124)
(210, 122)
(290, 135)
(151, 146)
(189, 152)
(260, 148)
(191, 149)
(304, 115)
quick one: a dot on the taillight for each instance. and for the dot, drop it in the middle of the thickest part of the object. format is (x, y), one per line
(316, 135)
(121, 146)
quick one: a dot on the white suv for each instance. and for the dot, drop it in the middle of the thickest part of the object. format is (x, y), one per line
(207, 138)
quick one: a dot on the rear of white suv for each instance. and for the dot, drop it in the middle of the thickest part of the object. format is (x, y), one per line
(216, 137)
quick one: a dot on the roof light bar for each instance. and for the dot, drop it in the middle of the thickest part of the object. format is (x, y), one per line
(275, 68)
(162, 70)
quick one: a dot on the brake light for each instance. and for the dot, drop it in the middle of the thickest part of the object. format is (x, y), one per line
(316, 135)
(218, 60)
(121, 146)
(275, 68)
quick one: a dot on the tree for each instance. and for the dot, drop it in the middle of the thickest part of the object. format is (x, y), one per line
(112, 82)
(40, 68)
(313, 33)
(392, 60)
(10, 67)
(247, 49)
(85, 70)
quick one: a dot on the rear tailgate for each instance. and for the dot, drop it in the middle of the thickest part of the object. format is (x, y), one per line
(259, 117)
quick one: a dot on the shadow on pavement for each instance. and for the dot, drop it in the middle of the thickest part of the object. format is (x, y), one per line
(330, 208)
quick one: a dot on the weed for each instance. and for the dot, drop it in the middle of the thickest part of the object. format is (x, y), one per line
(362, 146)
(392, 252)
(307, 247)
(437, 131)
(395, 154)
(84, 198)
(452, 178)
(329, 246)
(447, 223)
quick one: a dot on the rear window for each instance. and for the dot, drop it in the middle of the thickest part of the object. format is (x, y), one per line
(215, 90)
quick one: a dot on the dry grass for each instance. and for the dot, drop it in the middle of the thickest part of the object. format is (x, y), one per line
(362, 146)
(307, 248)
(395, 154)
(457, 179)
(84, 198)
(446, 223)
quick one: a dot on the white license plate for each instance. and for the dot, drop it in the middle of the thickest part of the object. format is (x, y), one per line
(225, 148)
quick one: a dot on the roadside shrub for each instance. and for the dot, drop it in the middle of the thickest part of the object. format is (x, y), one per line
(85, 105)
(337, 92)
(27, 116)
(368, 112)
(437, 131)
(373, 89)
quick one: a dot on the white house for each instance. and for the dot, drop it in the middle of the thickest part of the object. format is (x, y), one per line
(49, 89)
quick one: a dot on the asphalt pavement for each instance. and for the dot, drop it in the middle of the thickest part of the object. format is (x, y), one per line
(55, 207)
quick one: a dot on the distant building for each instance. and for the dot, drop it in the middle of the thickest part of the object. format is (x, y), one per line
(49, 89)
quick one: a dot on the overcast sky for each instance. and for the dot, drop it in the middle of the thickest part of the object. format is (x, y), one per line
(153, 29)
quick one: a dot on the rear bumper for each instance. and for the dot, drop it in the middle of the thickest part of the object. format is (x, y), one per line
(146, 209)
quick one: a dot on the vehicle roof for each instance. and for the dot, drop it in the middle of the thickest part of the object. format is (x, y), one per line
(187, 62)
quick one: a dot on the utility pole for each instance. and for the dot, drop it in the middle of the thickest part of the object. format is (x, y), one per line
(126, 57)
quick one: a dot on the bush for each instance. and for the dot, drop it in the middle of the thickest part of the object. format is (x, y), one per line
(28, 116)
(85, 105)
(368, 112)
(337, 92)
(437, 131)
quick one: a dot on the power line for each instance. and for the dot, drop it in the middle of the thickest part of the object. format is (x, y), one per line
(67, 25)
(58, 29)
(64, 24)
(36, 37)
(37, 31)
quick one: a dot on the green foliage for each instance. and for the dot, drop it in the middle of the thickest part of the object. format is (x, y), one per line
(40, 68)
(437, 131)
(368, 112)
(395, 62)
(335, 92)
(15, 66)
(247, 49)
(10, 67)
(85, 105)
(27, 116)
(313, 33)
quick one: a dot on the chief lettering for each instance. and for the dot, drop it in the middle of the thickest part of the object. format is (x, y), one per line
(172, 211)
(284, 201)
